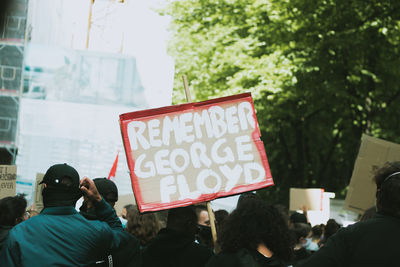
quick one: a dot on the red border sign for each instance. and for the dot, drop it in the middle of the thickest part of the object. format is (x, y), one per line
(142, 185)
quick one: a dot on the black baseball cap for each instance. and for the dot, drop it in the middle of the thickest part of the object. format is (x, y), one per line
(107, 189)
(61, 175)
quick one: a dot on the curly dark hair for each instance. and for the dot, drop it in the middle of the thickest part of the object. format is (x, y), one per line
(143, 226)
(254, 222)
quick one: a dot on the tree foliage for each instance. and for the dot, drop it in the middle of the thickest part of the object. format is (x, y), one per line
(321, 73)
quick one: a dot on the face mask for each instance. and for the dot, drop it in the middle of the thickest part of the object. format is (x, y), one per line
(204, 231)
(308, 242)
(53, 196)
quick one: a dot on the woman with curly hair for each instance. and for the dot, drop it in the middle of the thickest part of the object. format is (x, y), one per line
(255, 234)
(143, 226)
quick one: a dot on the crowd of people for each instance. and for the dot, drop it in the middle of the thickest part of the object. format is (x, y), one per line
(254, 234)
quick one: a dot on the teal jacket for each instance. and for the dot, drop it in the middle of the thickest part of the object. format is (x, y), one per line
(60, 236)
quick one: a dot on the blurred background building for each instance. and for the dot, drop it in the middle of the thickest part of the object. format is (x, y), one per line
(12, 47)
(68, 69)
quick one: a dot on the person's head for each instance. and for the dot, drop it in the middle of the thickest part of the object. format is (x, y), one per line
(202, 215)
(220, 216)
(317, 232)
(330, 229)
(143, 226)
(107, 189)
(301, 232)
(12, 210)
(297, 218)
(253, 223)
(204, 235)
(284, 211)
(61, 186)
(387, 181)
(125, 209)
(162, 217)
(246, 196)
(183, 220)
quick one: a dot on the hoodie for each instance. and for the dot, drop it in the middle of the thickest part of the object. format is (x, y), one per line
(173, 248)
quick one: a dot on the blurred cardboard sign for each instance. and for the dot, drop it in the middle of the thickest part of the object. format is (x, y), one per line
(373, 154)
(312, 198)
(195, 152)
(38, 198)
(8, 180)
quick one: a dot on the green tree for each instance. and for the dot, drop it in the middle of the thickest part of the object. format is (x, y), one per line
(321, 73)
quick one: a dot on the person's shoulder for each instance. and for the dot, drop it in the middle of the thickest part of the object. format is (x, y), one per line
(31, 222)
(96, 227)
(200, 251)
(202, 248)
(379, 221)
(96, 224)
(127, 238)
(386, 219)
(242, 258)
(224, 259)
(20, 229)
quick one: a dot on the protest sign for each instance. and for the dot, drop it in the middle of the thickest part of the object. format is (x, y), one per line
(38, 200)
(190, 153)
(373, 154)
(8, 180)
(311, 198)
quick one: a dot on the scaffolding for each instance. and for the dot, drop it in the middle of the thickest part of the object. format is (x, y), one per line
(12, 45)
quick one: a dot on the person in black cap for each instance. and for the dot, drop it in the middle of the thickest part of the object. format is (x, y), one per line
(59, 235)
(374, 242)
(175, 246)
(107, 189)
(128, 252)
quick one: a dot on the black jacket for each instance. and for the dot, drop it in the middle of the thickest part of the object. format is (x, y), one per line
(243, 258)
(371, 243)
(126, 254)
(174, 249)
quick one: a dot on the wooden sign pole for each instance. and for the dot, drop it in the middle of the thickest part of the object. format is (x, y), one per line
(213, 228)
(209, 209)
(187, 91)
